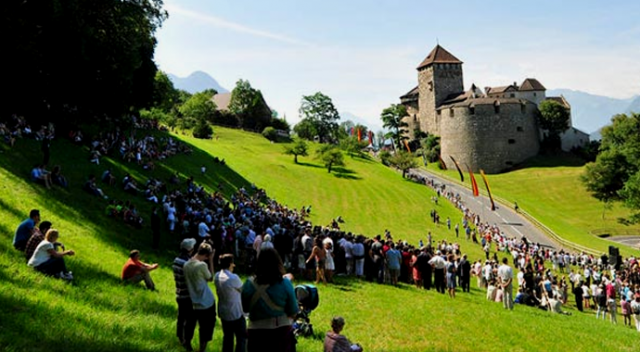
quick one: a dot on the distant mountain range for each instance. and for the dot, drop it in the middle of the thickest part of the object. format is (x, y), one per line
(592, 112)
(196, 82)
(375, 127)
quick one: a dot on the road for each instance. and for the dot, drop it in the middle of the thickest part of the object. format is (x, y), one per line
(510, 222)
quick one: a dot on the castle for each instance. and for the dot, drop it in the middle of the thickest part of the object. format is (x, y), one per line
(491, 130)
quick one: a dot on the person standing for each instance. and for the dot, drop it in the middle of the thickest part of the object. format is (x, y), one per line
(438, 264)
(25, 230)
(464, 268)
(393, 258)
(197, 272)
(228, 287)
(505, 277)
(186, 322)
(451, 276)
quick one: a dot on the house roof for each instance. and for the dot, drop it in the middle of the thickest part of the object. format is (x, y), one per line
(483, 101)
(501, 89)
(411, 95)
(222, 100)
(531, 84)
(439, 56)
(560, 100)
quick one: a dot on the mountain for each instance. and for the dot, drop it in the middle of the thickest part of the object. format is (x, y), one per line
(196, 82)
(634, 106)
(591, 112)
(373, 126)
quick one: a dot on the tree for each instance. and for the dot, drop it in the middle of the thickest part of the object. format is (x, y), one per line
(392, 120)
(404, 161)
(297, 148)
(199, 107)
(330, 156)
(554, 118)
(352, 146)
(249, 106)
(431, 147)
(79, 59)
(319, 111)
(165, 95)
(306, 129)
(615, 175)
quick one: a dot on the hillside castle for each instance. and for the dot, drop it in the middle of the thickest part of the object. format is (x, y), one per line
(491, 130)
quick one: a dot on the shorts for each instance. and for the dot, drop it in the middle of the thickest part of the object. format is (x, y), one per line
(206, 319)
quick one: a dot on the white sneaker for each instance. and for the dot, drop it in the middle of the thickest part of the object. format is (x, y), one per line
(67, 276)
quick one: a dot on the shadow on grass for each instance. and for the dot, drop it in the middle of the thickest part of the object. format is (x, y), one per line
(315, 166)
(341, 172)
(557, 160)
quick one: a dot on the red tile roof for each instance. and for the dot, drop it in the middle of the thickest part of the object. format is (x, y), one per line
(439, 56)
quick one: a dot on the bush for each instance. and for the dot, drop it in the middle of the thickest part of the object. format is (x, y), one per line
(225, 118)
(270, 133)
(203, 130)
(385, 157)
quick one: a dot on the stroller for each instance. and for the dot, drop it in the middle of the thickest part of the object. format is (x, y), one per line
(308, 300)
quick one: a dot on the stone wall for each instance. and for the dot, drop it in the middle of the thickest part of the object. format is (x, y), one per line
(436, 82)
(535, 97)
(412, 118)
(485, 139)
(573, 138)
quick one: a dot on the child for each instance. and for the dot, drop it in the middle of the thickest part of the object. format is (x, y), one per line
(335, 342)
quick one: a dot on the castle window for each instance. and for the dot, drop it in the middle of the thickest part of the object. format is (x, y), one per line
(472, 110)
(415, 118)
(438, 112)
(523, 108)
(496, 107)
(519, 129)
(512, 141)
(451, 112)
(430, 85)
(513, 95)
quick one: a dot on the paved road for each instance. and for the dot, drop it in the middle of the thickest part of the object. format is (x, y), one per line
(631, 241)
(510, 222)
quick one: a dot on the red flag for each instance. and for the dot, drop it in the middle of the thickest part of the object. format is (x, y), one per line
(351, 133)
(474, 184)
(457, 167)
(359, 134)
(486, 183)
(370, 137)
(443, 166)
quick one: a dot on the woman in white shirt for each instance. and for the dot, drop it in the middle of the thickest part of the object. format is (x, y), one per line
(48, 260)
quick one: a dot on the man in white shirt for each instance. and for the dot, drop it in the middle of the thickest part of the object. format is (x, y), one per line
(347, 247)
(197, 272)
(505, 277)
(438, 263)
(228, 287)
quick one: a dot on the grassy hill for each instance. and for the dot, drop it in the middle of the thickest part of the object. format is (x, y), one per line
(550, 190)
(96, 312)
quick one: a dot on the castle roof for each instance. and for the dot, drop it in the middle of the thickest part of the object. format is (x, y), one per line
(472, 93)
(222, 100)
(483, 101)
(500, 89)
(560, 100)
(439, 56)
(531, 84)
(410, 96)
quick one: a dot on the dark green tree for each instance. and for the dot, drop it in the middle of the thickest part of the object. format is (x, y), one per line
(297, 148)
(615, 174)
(554, 118)
(392, 120)
(330, 156)
(404, 161)
(318, 109)
(249, 106)
(200, 106)
(79, 59)
(306, 129)
(165, 95)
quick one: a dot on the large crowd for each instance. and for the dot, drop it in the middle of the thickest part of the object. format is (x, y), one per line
(268, 239)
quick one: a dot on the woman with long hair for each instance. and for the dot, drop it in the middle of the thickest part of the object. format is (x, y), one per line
(48, 260)
(271, 302)
(320, 254)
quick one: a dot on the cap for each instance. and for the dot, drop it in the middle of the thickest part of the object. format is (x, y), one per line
(188, 244)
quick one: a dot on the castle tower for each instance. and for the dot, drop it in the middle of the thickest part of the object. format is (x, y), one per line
(439, 77)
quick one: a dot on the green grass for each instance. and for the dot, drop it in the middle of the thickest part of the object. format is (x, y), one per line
(550, 190)
(97, 313)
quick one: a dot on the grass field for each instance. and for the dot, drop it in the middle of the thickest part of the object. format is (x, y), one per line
(550, 190)
(97, 313)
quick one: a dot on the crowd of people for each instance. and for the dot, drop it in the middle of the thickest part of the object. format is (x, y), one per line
(268, 239)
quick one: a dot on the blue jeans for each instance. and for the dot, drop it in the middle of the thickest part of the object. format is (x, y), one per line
(237, 328)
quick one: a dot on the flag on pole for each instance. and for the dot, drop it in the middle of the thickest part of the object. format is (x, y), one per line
(359, 134)
(443, 166)
(406, 145)
(370, 138)
(351, 132)
(474, 184)
(457, 167)
(486, 183)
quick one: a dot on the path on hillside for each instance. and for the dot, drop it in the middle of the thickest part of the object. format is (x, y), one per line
(510, 222)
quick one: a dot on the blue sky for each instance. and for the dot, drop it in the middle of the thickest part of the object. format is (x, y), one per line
(363, 54)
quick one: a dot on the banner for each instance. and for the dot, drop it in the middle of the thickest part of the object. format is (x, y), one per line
(359, 134)
(486, 183)
(443, 166)
(406, 145)
(457, 167)
(370, 138)
(474, 184)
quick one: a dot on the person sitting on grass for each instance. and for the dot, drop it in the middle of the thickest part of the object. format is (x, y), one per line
(25, 230)
(108, 178)
(91, 187)
(335, 342)
(36, 238)
(135, 271)
(58, 178)
(47, 260)
(41, 175)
